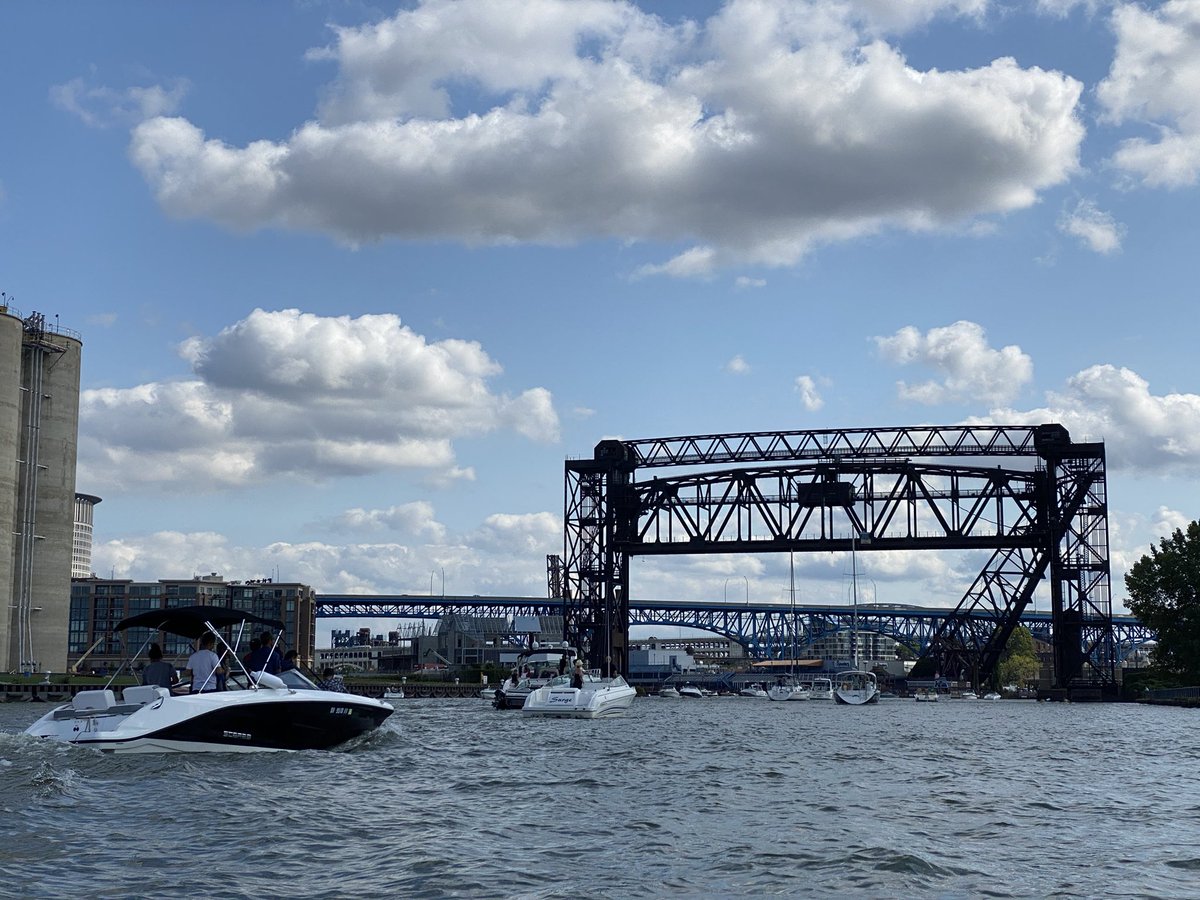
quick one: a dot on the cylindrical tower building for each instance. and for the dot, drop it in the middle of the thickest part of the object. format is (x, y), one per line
(39, 426)
(81, 549)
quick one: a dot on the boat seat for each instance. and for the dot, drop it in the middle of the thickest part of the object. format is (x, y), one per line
(144, 693)
(104, 699)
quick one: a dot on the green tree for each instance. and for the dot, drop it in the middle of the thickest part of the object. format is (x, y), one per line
(1019, 662)
(1164, 593)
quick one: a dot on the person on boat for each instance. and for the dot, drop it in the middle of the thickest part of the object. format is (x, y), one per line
(331, 681)
(289, 661)
(266, 658)
(158, 671)
(204, 665)
(577, 676)
(562, 664)
(249, 654)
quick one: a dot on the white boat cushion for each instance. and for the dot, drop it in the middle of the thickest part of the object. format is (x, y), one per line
(104, 699)
(144, 693)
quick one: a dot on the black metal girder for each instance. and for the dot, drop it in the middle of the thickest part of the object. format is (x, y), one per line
(1045, 509)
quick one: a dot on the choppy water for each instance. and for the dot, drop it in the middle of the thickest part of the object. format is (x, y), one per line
(728, 797)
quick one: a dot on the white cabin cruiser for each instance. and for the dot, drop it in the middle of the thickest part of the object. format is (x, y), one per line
(535, 668)
(669, 693)
(259, 711)
(599, 698)
(753, 690)
(691, 692)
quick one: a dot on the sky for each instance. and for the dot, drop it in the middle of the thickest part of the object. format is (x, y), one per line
(353, 280)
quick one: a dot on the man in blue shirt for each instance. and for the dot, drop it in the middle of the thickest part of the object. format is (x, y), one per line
(266, 658)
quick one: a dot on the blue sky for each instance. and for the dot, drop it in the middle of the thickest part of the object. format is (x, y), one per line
(354, 280)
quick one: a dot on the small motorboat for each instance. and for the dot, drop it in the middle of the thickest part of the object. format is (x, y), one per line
(968, 695)
(991, 695)
(393, 694)
(856, 688)
(822, 689)
(599, 698)
(258, 711)
(753, 690)
(926, 695)
(669, 693)
(691, 692)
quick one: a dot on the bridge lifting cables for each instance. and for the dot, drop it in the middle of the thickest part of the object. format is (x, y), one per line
(1026, 495)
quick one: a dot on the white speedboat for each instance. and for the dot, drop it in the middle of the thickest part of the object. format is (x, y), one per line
(822, 689)
(258, 712)
(788, 690)
(991, 695)
(753, 690)
(926, 695)
(855, 688)
(393, 694)
(968, 695)
(669, 693)
(691, 692)
(599, 698)
(535, 668)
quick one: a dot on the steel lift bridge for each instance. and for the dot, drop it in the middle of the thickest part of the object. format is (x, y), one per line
(1026, 496)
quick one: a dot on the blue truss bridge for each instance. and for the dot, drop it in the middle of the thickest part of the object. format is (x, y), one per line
(766, 630)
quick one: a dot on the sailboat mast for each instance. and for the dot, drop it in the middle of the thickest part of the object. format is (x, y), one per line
(792, 591)
(854, 608)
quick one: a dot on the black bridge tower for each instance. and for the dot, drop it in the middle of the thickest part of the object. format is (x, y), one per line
(1025, 497)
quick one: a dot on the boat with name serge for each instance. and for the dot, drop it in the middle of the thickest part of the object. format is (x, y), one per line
(599, 698)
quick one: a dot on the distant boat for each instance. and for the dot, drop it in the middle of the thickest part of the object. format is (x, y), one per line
(669, 693)
(790, 690)
(991, 695)
(691, 692)
(393, 694)
(968, 695)
(822, 689)
(926, 695)
(752, 690)
(856, 688)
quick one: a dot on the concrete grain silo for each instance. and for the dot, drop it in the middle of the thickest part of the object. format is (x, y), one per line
(39, 424)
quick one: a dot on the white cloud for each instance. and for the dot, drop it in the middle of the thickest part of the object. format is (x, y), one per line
(103, 107)
(1096, 229)
(737, 366)
(971, 370)
(1142, 432)
(291, 393)
(766, 130)
(1155, 79)
(810, 397)
(416, 518)
(504, 555)
(744, 282)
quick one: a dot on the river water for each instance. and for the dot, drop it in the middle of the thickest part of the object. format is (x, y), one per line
(723, 797)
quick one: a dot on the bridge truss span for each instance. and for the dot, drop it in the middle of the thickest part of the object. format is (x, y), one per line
(1027, 494)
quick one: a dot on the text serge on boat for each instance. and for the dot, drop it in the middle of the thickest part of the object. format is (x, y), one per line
(259, 712)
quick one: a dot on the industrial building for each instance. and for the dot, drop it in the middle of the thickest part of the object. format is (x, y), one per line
(39, 423)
